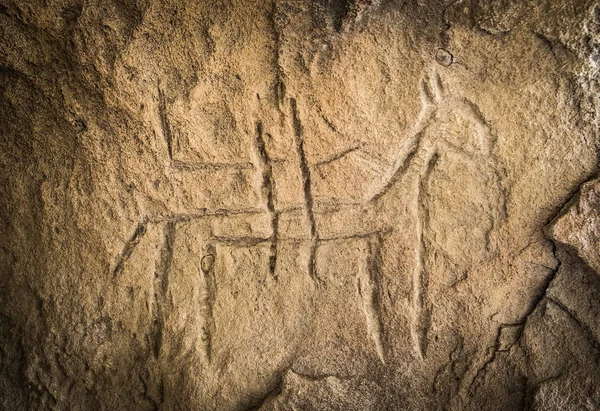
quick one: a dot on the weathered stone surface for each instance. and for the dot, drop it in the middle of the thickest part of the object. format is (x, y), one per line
(299, 204)
(579, 225)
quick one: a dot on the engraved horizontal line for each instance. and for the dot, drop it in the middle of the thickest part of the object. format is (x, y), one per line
(206, 214)
(249, 241)
(323, 206)
(337, 156)
(254, 241)
(326, 205)
(185, 166)
(357, 236)
(242, 241)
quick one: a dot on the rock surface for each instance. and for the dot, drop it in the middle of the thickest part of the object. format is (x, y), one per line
(299, 204)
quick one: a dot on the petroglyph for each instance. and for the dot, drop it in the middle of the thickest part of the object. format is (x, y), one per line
(306, 183)
(129, 247)
(269, 193)
(160, 287)
(420, 277)
(207, 265)
(369, 290)
(298, 204)
(417, 156)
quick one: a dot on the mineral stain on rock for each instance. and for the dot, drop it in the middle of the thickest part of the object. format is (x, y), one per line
(299, 204)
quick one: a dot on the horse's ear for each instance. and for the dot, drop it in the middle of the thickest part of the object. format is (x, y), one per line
(433, 88)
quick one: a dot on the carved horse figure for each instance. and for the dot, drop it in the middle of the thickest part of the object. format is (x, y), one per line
(451, 135)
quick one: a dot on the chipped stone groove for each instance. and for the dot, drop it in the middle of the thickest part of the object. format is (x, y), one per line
(421, 316)
(306, 180)
(161, 305)
(268, 188)
(368, 283)
(207, 266)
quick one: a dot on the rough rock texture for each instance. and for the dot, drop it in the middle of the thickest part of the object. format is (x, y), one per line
(299, 205)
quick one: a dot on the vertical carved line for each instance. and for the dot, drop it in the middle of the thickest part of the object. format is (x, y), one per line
(268, 188)
(369, 290)
(161, 287)
(207, 265)
(279, 85)
(420, 280)
(306, 180)
(164, 122)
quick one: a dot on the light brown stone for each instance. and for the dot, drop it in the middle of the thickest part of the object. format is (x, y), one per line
(299, 204)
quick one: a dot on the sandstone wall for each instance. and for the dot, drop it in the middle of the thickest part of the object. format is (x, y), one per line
(299, 205)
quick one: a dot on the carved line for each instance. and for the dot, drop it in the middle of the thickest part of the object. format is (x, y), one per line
(254, 241)
(241, 241)
(207, 266)
(161, 286)
(129, 247)
(403, 167)
(306, 178)
(268, 187)
(279, 86)
(377, 161)
(164, 122)
(205, 213)
(585, 329)
(358, 236)
(185, 166)
(337, 156)
(420, 280)
(369, 290)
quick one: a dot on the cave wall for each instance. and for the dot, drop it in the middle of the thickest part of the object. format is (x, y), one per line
(295, 204)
